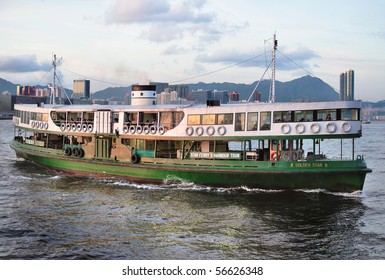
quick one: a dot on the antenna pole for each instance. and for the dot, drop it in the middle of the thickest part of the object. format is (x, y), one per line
(54, 80)
(272, 90)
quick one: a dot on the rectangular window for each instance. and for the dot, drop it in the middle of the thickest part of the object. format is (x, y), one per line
(252, 121)
(284, 116)
(194, 120)
(239, 122)
(265, 123)
(303, 116)
(44, 117)
(350, 114)
(208, 119)
(326, 115)
(225, 118)
(116, 117)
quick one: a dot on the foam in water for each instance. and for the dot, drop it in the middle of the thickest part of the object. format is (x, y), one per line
(356, 194)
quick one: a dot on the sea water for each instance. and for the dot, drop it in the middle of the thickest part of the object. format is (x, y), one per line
(48, 215)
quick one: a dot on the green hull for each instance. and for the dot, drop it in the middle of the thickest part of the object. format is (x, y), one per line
(332, 175)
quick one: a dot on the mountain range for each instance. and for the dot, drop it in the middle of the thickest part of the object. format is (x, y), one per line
(306, 88)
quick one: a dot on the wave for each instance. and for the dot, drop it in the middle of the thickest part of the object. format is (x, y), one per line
(124, 183)
(14, 159)
(175, 183)
(20, 177)
(355, 194)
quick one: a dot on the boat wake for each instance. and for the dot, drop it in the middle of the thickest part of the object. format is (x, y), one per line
(128, 184)
(16, 159)
(175, 183)
(356, 194)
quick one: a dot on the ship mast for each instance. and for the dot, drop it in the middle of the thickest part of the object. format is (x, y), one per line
(53, 87)
(54, 79)
(272, 64)
(272, 89)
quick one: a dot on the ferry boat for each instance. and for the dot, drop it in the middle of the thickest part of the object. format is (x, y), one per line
(255, 145)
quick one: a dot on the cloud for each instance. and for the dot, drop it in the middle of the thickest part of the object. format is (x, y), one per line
(167, 20)
(22, 64)
(174, 50)
(163, 32)
(295, 59)
(149, 11)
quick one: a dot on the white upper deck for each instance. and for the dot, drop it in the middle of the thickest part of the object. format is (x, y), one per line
(295, 119)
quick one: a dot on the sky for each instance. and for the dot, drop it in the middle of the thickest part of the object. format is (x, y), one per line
(123, 42)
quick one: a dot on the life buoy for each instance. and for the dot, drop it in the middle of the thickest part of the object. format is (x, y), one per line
(286, 156)
(135, 158)
(300, 128)
(161, 130)
(73, 127)
(315, 128)
(210, 130)
(199, 131)
(80, 153)
(132, 129)
(146, 129)
(125, 128)
(285, 128)
(62, 126)
(41, 125)
(331, 127)
(90, 127)
(294, 156)
(79, 127)
(138, 129)
(346, 127)
(84, 127)
(189, 131)
(68, 127)
(221, 130)
(274, 156)
(45, 126)
(68, 151)
(75, 152)
(153, 129)
(33, 124)
(359, 157)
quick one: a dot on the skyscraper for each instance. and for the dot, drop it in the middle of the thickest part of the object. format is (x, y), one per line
(81, 89)
(347, 85)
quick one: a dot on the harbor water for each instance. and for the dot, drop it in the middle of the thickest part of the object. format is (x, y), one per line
(49, 215)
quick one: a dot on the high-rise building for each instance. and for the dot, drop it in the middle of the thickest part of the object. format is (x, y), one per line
(222, 95)
(182, 90)
(347, 85)
(234, 96)
(81, 89)
(201, 96)
(160, 87)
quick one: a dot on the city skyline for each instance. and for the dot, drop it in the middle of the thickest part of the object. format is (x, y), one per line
(120, 43)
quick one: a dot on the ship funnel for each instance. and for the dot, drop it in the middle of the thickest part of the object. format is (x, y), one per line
(143, 95)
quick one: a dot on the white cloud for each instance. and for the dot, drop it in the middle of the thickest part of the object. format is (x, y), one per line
(168, 20)
(148, 11)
